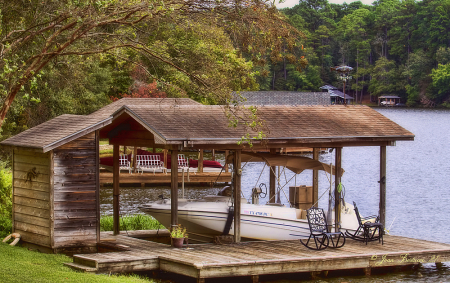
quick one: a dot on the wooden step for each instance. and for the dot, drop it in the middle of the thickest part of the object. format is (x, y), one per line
(80, 267)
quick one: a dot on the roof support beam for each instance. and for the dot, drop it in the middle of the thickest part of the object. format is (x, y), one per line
(272, 179)
(337, 194)
(174, 188)
(116, 190)
(315, 177)
(383, 185)
(237, 195)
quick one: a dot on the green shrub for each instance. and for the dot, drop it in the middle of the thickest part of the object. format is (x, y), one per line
(5, 201)
(131, 222)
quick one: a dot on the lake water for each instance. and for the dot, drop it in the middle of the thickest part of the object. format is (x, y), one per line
(417, 187)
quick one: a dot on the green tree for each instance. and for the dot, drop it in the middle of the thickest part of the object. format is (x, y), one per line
(441, 83)
(36, 33)
(385, 78)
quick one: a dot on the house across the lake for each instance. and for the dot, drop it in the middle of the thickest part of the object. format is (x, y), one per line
(336, 96)
(388, 100)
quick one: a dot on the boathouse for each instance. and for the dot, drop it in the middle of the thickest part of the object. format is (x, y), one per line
(56, 173)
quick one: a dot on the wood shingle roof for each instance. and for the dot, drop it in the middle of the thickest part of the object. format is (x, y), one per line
(187, 122)
(57, 131)
(208, 123)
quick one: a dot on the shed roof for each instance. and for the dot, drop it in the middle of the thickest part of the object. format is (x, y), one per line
(57, 131)
(200, 124)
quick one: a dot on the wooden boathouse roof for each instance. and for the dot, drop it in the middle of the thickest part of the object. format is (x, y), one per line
(192, 125)
(187, 123)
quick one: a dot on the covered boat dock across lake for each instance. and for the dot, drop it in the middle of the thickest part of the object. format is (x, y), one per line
(56, 187)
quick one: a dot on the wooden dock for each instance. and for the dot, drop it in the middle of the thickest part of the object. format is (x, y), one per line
(203, 261)
(161, 178)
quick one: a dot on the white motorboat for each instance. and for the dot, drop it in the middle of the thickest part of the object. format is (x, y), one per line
(207, 217)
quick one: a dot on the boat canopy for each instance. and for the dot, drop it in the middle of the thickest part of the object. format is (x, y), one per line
(296, 164)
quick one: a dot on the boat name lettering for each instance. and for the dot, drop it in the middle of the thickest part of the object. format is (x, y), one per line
(259, 213)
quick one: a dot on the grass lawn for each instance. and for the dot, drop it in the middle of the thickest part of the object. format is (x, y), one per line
(20, 265)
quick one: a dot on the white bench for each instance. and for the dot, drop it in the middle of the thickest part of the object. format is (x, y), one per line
(149, 162)
(124, 164)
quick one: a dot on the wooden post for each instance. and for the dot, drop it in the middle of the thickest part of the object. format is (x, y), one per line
(337, 195)
(213, 155)
(97, 181)
(165, 158)
(134, 158)
(237, 195)
(124, 149)
(200, 161)
(174, 188)
(226, 164)
(116, 191)
(52, 197)
(315, 180)
(272, 179)
(383, 185)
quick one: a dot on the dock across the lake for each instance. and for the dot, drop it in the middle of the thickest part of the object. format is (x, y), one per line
(148, 178)
(203, 261)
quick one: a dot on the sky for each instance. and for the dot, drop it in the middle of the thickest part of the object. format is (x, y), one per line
(292, 3)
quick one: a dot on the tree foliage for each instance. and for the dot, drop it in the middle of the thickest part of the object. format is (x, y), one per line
(191, 48)
(394, 46)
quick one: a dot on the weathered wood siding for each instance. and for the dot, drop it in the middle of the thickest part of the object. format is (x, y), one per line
(31, 198)
(75, 199)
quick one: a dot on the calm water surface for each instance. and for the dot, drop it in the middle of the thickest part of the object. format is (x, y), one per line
(417, 187)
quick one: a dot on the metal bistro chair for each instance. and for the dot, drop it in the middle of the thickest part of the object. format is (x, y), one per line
(322, 236)
(367, 230)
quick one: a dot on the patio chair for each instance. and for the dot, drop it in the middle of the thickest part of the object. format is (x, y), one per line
(322, 236)
(367, 229)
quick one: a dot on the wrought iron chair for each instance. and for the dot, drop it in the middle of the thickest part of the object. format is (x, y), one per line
(322, 236)
(367, 230)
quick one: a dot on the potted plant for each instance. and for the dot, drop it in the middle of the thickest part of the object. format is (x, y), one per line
(177, 235)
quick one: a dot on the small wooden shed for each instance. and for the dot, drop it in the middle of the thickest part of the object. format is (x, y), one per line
(56, 179)
(55, 164)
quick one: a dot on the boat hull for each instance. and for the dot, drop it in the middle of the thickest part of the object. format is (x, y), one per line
(205, 220)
